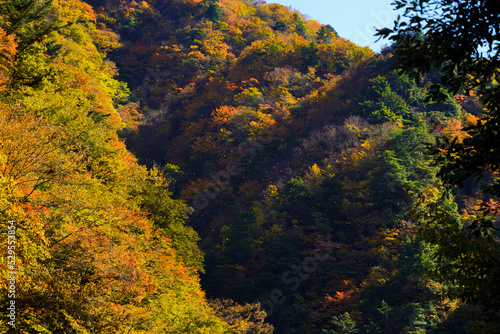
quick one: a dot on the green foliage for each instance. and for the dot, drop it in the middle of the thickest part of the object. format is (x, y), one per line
(170, 215)
(326, 33)
(26, 19)
(384, 104)
(88, 260)
(299, 24)
(416, 257)
(214, 12)
(249, 97)
(247, 318)
(299, 204)
(465, 61)
(410, 146)
(310, 54)
(466, 250)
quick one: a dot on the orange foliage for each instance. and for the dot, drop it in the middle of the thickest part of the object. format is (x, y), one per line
(493, 206)
(462, 99)
(7, 52)
(124, 156)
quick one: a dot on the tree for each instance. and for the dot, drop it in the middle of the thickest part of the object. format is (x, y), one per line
(299, 24)
(214, 12)
(457, 42)
(7, 53)
(384, 104)
(342, 325)
(87, 259)
(326, 33)
(29, 21)
(247, 318)
(280, 26)
(170, 215)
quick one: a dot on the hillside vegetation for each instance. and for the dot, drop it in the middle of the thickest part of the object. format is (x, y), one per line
(232, 166)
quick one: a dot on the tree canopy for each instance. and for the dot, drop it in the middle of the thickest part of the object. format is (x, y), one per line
(457, 45)
(233, 166)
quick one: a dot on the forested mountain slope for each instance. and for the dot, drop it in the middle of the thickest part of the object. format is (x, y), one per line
(284, 137)
(81, 251)
(276, 160)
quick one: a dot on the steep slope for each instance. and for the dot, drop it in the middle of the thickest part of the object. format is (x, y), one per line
(82, 253)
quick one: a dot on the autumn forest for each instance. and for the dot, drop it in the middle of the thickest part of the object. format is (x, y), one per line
(233, 166)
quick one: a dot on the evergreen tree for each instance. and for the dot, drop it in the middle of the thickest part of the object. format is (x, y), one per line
(342, 325)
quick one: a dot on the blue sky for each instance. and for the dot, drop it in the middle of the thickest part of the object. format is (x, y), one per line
(352, 19)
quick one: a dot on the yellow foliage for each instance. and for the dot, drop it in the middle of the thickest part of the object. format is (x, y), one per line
(106, 40)
(315, 171)
(453, 129)
(314, 177)
(131, 116)
(33, 150)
